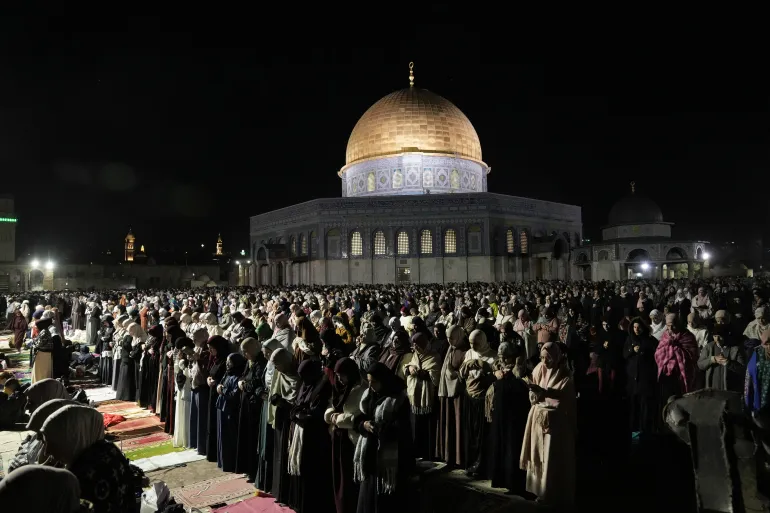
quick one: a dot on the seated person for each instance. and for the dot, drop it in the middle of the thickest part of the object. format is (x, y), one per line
(12, 403)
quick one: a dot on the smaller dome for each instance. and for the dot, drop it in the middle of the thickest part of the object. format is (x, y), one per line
(635, 209)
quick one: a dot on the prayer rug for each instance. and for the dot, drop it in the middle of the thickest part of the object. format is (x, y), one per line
(213, 491)
(254, 505)
(136, 427)
(150, 451)
(140, 442)
(172, 459)
(119, 407)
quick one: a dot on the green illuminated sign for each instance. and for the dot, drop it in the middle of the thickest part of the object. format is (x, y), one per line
(7, 219)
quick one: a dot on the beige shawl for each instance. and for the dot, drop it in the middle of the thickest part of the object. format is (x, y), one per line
(422, 391)
(285, 380)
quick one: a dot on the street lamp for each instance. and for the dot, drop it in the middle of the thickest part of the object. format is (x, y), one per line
(237, 262)
(706, 256)
(36, 263)
(645, 266)
(49, 265)
(248, 262)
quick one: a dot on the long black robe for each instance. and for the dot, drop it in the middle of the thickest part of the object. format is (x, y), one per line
(216, 372)
(281, 432)
(249, 419)
(509, 420)
(369, 501)
(228, 411)
(126, 380)
(264, 479)
(641, 384)
(312, 491)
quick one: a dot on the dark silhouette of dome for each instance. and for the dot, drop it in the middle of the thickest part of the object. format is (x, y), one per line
(635, 209)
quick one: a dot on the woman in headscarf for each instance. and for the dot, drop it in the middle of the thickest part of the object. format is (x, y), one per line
(45, 345)
(74, 438)
(117, 349)
(265, 441)
(106, 343)
(345, 407)
(398, 352)
(422, 374)
(148, 377)
(310, 445)
(228, 411)
(32, 447)
(450, 397)
(283, 396)
(439, 342)
(307, 345)
(18, 324)
(21, 490)
(677, 359)
(252, 388)
(199, 401)
(168, 374)
(523, 326)
(367, 350)
(219, 350)
(127, 378)
(183, 350)
(44, 391)
(641, 374)
(476, 372)
(384, 458)
(548, 450)
(507, 408)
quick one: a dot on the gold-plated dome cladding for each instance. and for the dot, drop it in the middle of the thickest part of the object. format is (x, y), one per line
(415, 120)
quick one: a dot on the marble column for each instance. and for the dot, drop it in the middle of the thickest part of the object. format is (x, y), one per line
(689, 269)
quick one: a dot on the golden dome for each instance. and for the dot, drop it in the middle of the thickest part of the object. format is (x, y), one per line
(412, 120)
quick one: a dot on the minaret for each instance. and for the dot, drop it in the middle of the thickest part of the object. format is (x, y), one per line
(219, 245)
(129, 246)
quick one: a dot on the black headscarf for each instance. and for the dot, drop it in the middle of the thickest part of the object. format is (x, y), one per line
(391, 384)
(347, 367)
(236, 364)
(310, 373)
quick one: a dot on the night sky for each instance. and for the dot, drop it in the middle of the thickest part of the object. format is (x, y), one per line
(184, 130)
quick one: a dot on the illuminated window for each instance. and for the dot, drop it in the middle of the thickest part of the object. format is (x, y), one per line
(524, 242)
(509, 245)
(426, 243)
(313, 243)
(370, 182)
(293, 246)
(454, 179)
(450, 241)
(356, 244)
(379, 243)
(403, 243)
(303, 245)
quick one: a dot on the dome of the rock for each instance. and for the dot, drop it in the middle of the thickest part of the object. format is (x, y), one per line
(635, 209)
(412, 120)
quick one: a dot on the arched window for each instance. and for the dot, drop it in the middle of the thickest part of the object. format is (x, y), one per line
(313, 243)
(474, 239)
(402, 243)
(292, 246)
(370, 182)
(356, 244)
(450, 242)
(379, 243)
(302, 245)
(426, 243)
(603, 255)
(333, 243)
(509, 244)
(524, 242)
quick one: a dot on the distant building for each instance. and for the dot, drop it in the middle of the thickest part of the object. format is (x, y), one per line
(637, 242)
(7, 229)
(129, 246)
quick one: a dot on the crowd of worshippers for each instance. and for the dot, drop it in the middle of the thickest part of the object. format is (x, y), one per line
(281, 383)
